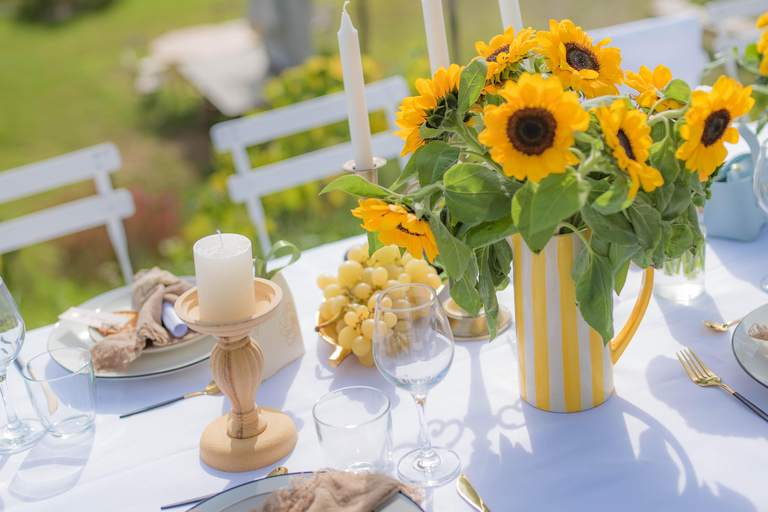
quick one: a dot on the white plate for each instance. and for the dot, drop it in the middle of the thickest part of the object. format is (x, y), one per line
(252, 494)
(153, 362)
(751, 353)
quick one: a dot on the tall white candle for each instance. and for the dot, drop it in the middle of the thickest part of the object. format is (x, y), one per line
(224, 272)
(437, 42)
(510, 14)
(354, 90)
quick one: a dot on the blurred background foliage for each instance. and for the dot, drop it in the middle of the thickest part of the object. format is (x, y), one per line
(67, 83)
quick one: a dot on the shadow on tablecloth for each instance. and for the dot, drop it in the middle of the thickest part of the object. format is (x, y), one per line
(52, 467)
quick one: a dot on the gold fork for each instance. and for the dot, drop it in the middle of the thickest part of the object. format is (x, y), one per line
(703, 376)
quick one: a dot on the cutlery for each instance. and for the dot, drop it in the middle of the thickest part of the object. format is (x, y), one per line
(53, 402)
(277, 471)
(468, 492)
(703, 376)
(210, 389)
(717, 326)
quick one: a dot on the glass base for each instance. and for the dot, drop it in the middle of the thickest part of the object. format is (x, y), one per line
(764, 284)
(444, 468)
(23, 438)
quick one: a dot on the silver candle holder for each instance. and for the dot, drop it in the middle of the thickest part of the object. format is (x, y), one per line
(371, 175)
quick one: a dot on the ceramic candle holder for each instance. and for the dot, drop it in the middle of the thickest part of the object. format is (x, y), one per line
(371, 175)
(248, 437)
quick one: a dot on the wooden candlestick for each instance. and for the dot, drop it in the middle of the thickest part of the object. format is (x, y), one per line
(248, 437)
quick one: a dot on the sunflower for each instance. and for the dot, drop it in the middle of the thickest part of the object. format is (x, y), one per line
(502, 53)
(580, 64)
(429, 106)
(397, 226)
(647, 83)
(629, 139)
(762, 44)
(708, 125)
(530, 134)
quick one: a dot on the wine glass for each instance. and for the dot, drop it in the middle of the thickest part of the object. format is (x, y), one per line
(760, 187)
(16, 435)
(413, 349)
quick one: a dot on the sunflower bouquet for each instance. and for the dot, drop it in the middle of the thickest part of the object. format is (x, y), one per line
(533, 138)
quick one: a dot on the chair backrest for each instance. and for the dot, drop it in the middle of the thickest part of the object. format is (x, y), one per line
(249, 185)
(107, 208)
(720, 12)
(674, 41)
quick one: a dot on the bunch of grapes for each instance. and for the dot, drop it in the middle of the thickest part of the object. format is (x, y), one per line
(350, 296)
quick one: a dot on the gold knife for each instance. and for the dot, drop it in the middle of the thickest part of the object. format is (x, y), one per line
(468, 492)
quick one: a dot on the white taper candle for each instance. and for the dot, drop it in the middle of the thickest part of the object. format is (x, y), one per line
(510, 14)
(224, 273)
(354, 91)
(437, 42)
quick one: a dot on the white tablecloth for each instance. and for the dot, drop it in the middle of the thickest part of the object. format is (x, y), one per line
(660, 443)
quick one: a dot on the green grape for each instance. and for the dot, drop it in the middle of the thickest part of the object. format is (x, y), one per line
(361, 346)
(349, 272)
(332, 290)
(380, 276)
(323, 280)
(367, 276)
(347, 336)
(351, 318)
(337, 303)
(362, 290)
(404, 278)
(416, 269)
(325, 310)
(362, 312)
(367, 328)
(390, 319)
(357, 254)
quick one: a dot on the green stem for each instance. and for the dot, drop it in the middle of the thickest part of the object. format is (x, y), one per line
(589, 164)
(423, 192)
(578, 232)
(667, 114)
(458, 127)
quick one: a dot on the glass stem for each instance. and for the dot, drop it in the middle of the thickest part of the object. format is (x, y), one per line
(428, 458)
(13, 420)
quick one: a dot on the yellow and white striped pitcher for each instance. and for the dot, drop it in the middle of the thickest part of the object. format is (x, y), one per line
(564, 366)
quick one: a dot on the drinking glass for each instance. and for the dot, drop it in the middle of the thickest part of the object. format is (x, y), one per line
(17, 435)
(760, 187)
(354, 427)
(413, 349)
(63, 390)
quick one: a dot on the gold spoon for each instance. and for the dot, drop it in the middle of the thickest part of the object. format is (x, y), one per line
(210, 389)
(717, 326)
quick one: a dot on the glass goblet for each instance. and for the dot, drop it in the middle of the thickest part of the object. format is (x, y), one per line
(17, 435)
(760, 187)
(413, 349)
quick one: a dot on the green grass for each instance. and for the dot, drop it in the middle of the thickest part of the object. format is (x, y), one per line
(67, 86)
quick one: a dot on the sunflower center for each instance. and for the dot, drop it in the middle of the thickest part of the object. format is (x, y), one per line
(715, 126)
(624, 141)
(501, 49)
(531, 130)
(579, 57)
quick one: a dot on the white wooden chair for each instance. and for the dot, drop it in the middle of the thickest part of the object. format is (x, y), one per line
(674, 41)
(107, 208)
(249, 185)
(721, 13)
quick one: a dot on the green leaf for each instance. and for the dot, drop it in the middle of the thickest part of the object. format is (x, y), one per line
(645, 222)
(411, 167)
(433, 160)
(677, 90)
(620, 277)
(475, 193)
(680, 242)
(558, 197)
(490, 232)
(487, 290)
(678, 203)
(374, 244)
(454, 254)
(751, 53)
(501, 263)
(662, 157)
(594, 287)
(471, 84)
(615, 199)
(358, 186)
(463, 290)
(425, 132)
(521, 215)
(614, 228)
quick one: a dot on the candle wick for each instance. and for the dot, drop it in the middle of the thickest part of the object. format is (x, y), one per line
(344, 8)
(221, 238)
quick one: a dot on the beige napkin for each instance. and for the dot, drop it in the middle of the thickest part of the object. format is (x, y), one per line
(337, 491)
(759, 331)
(150, 288)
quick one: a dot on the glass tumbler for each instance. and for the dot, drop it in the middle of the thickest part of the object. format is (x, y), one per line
(62, 387)
(354, 427)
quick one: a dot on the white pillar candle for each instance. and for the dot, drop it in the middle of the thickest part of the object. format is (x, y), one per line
(354, 91)
(224, 272)
(437, 42)
(510, 14)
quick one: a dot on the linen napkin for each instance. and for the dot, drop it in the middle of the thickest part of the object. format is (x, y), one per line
(337, 491)
(151, 288)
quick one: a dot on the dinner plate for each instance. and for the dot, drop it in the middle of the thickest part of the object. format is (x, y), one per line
(751, 353)
(245, 497)
(152, 362)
